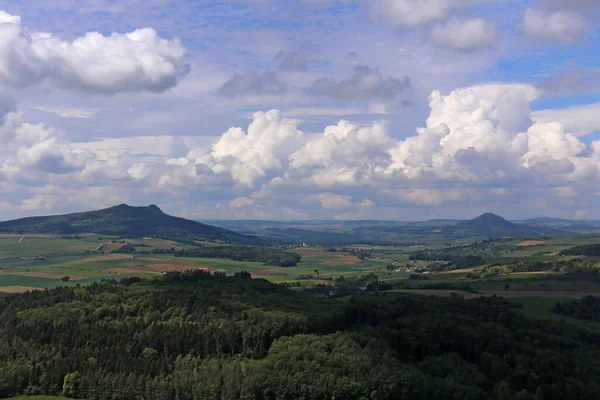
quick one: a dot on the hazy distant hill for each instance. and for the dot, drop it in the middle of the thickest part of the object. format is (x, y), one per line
(124, 220)
(492, 225)
(571, 225)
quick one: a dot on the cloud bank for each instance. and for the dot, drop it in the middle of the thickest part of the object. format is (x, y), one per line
(478, 142)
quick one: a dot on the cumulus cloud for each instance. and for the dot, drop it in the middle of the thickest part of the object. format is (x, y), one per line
(561, 26)
(343, 155)
(93, 63)
(248, 157)
(365, 83)
(465, 34)
(38, 151)
(253, 83)
(476, 141)
(413, 13)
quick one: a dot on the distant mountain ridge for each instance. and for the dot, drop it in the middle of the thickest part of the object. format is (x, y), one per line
(125, 220)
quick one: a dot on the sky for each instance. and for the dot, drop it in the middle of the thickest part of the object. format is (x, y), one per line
(303, 109)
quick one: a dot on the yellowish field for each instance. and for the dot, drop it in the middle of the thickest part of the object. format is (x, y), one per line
(458, 271)
(18, 289)
(341, 259)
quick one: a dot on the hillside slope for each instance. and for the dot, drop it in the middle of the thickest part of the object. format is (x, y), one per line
(124, 220)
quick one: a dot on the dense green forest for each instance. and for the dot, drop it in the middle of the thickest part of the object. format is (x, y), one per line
(585, 308)
(585, 250)
(194, 335)
(269, 256)
(124, 220)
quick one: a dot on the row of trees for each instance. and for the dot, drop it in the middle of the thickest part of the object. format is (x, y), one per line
(448, 260)
(269, 256)
(564, 266)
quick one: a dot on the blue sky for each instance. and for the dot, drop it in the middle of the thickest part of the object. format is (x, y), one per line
(383, 109)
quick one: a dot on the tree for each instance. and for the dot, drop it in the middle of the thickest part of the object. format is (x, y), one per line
(65, 278)
(71, 384)
(149, 353)
(503, 391)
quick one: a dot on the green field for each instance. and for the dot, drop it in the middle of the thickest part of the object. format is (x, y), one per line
(40, 262)
(32, 263)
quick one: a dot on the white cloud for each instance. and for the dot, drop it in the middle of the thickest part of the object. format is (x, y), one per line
(334, 201)
(578, 120)
(343, 155)
(413, 13)
(248, 157)
(93, 63)
(240, 202)
(465, 34)
(69, 112)
(562, 26)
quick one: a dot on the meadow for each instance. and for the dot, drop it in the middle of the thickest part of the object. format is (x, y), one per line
(35, 262)
(44, 261)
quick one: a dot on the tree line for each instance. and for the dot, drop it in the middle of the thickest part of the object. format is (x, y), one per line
(585, 250)
(587, 308)
(267, 255)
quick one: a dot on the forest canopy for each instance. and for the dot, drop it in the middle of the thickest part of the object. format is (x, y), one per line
(196, 335)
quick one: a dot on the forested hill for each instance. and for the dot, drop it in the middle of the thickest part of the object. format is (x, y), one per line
(124, 220)
(202, 336)
(492, 225)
